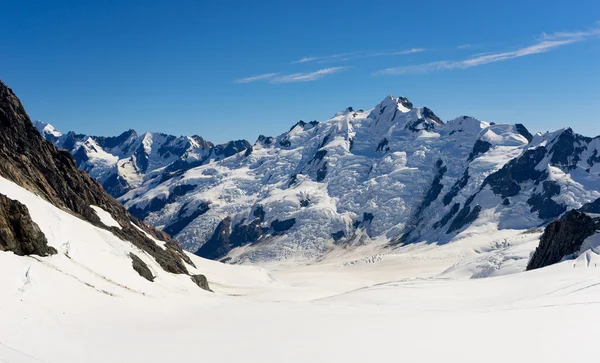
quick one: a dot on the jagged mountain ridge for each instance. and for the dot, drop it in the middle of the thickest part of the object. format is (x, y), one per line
(124, 162)
(394, 174)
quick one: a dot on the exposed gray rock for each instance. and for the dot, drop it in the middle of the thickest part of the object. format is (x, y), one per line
(141, 268)
(562, 238)
(18, 232)
(201, 281)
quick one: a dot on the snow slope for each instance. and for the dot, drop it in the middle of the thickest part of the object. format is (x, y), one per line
(420, 302)
(401, 306)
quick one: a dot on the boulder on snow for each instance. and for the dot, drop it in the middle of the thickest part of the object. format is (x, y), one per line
(201, 281)
(18, 232)
(141, 268)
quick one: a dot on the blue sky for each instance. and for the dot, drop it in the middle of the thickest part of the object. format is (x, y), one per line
(238, 69)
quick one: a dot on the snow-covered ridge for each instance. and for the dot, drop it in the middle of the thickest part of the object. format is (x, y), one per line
(125, 161)
(390, 175)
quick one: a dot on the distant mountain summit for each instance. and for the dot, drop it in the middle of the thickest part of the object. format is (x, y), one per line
(123, 162)
(392, 175)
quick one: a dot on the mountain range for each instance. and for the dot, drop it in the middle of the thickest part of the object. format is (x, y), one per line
(392, 175)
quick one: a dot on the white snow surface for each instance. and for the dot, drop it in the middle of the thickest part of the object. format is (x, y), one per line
(105, 217)
(468, 300)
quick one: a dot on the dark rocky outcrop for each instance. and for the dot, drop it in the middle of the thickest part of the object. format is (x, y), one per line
(457, 187)
(566, 151)
(116, 185)
(464, 217)
(382, 144)
(185, 217)
(405, 102)
(18, 232)
(219, 244)
(338, 235)
(231, 148)
(201, 281)
(543, 203)
(140, 267)
(562, 238)
(155, 205)
(430, 196)
(322, 173)
(505, 182)
(420, 124)
(480, 148)
(265, 140)
(593, 207)
(35, 164)
(436, 187)
(521, 129)
(114, 141)
(227, 237)
(427, 113)
(282, 226)
(446, 218)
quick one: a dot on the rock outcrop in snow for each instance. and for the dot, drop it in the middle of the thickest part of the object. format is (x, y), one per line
(566, 237)
(18, 233)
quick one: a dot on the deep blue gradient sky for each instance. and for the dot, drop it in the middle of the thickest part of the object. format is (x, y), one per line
(183, 67)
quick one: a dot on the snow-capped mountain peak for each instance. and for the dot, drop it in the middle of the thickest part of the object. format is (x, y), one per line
(46, 129)
(394, 173)
(125, 161)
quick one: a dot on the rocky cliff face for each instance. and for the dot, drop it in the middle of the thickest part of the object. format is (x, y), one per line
(565, 237)
(37, 165)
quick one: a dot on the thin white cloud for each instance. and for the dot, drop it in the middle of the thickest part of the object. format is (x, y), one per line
(547, 43)
(577, 35)
(354, 55)
(260, 77)
(464, 46)
(306, 77)
(324, 58)
(401, 52)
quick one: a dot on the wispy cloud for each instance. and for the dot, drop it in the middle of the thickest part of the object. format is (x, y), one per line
(577, 35)
(355, 55)
(292, 77)
(324, 58)
(547, 43)
(260, 77)
(464, 46)
(306, 77)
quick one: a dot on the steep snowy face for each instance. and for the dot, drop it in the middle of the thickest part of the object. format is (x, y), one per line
(50, 207)
(123, 162)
